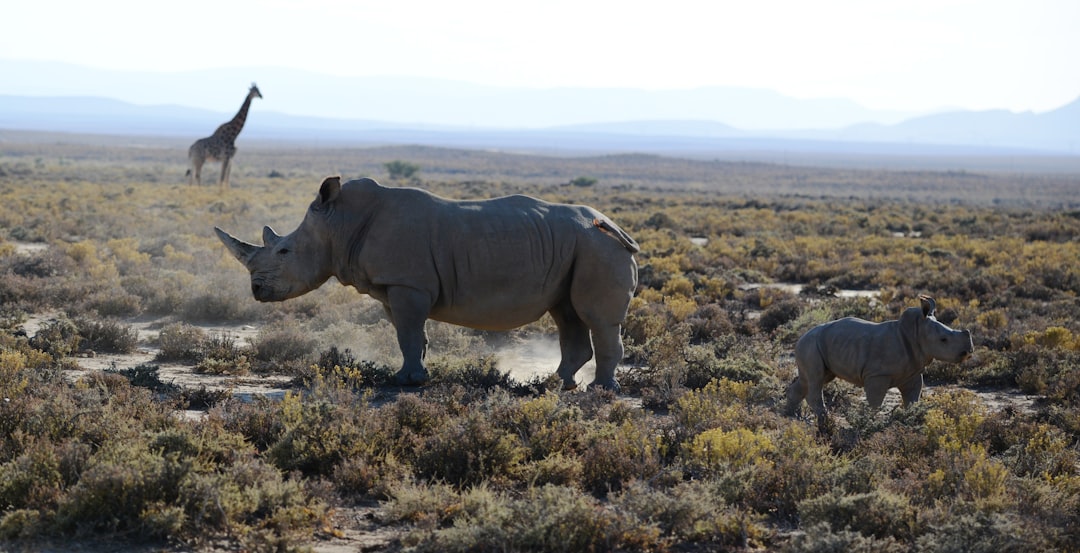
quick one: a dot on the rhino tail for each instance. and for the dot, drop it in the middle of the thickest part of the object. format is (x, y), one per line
(619, 234)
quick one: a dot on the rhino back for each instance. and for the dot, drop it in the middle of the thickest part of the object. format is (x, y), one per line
(855, 349)
(496, 263)
(503, 252)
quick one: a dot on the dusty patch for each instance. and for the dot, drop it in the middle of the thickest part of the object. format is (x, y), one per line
(538, 358)
(1000, 400)
(525, 361)
(180, 374)
(797, 289)
(357, 528)
(29, 248)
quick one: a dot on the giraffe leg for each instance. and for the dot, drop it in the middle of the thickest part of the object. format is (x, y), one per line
(195, 162)
(226, 167)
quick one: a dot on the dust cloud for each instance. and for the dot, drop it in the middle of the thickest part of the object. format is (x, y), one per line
(537, 358)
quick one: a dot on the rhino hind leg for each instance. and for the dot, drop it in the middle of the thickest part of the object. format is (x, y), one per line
(796, 392)
(813, 376)
(603, 283)
(574, 343)
(609, 351)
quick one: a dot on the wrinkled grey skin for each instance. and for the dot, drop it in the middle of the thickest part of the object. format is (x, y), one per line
(876, 356)
(494, 265)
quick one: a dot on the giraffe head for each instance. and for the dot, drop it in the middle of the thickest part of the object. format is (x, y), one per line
(253, 92)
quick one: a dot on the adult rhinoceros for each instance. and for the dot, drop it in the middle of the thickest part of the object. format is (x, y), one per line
(493, 264)
(876, 356)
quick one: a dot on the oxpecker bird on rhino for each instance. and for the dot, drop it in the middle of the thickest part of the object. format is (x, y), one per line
(876, 356)
(488, 264)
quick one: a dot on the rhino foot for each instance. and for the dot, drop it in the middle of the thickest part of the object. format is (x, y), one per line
(612, 385)
(412, 378)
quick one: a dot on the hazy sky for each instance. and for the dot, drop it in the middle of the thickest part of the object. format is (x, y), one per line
(910, 55)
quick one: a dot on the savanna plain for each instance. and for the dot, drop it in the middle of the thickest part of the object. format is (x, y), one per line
(148, 403)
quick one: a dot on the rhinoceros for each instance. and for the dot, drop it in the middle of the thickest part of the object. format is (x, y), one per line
(489, 264)
(876, 356)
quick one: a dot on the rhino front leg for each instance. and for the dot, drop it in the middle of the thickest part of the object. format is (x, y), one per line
(911, 390)
(876, 388)
(409, 310)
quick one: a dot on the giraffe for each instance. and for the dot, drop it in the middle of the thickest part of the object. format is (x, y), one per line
(220, 146)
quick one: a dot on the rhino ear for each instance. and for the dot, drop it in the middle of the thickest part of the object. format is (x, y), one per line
(241, 250)
(270, 237)
(909, 323)
(929, 306)
(329, 190)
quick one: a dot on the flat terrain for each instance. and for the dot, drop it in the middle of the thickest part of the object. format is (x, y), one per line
(118, 303)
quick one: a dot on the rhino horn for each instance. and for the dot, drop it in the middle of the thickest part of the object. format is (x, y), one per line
(929, 306)
(241, 250)
(270, 237)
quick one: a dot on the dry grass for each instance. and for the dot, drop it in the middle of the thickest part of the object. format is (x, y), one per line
(695, 455)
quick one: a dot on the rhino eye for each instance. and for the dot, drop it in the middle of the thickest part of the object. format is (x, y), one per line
(283, 251)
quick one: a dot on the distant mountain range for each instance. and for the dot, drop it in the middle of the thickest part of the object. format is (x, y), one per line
(347, 110)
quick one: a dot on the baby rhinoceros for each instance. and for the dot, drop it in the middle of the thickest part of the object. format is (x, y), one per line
(489, 264)
(876, 356)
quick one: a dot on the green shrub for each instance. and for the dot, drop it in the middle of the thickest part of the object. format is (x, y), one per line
(221, 355)
(38, 478)
(59, 338)
(260, 420)
(399, 169)
(16, 524)
(353, 373)
(368, 478)
(477, 374)
(779, 313)
(107, 336)
(549, 428)
(119, 482)
(146, 376)
(214, 307)
(823, 539)
(319, 433)
(113, 302)
(692, 512)
(283, 348)
(710, 322)
(470, 450)
(983, 533)
(800, 468)
(879, 514)
(555, 469)
(615, 454)
(181, 342)
(548, 518)
(11, 318)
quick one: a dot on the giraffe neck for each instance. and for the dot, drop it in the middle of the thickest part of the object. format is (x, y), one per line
(229, 131)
